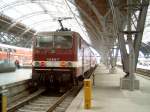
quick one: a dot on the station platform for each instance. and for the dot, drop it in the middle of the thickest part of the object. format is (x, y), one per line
(12, 77)
(108, 97)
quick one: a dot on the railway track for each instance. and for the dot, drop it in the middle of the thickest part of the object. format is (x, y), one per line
(141, 71)
(144, 72)
(42, 101)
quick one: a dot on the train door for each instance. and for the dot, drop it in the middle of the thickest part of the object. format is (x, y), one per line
(80, 59)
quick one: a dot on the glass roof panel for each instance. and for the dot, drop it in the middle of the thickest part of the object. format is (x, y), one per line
(11, 13)
(27, 8)
(146, 33)
(42, 15)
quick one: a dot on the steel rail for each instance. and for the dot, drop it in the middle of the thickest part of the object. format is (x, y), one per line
(144, 72)
(74, 89)
(50, 106)
(59, 100)
(141, 72)
(26, 100)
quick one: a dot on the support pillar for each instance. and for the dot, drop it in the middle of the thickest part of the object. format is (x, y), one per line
(124, 28)
(112, 69)
(129, 81)
(105, 59)
(113, 60)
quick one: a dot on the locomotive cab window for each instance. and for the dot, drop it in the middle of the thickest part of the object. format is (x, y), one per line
(45, 41)
(63, 42)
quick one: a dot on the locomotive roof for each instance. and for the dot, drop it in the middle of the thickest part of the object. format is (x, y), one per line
(56, 33)
(14, 47)
(60, 33)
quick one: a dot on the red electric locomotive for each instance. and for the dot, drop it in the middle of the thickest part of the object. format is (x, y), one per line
(60, 58)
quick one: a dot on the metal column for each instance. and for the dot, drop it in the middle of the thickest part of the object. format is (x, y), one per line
(134, 37)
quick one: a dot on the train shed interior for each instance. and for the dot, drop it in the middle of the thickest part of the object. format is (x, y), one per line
(116, 31)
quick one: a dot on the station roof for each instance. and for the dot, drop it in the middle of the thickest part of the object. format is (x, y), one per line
(91, 18)
(23, 18)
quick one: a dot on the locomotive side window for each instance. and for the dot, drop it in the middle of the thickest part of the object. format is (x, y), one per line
(5, 50)
(45, 41)
(63, 42)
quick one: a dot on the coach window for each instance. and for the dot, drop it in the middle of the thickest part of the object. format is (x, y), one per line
(2, 49)
(13, 50)
(9, 50)
(63, 42)
(5, 50)
(45, 41)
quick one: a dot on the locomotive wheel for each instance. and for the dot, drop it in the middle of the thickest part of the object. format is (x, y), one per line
(65, 82)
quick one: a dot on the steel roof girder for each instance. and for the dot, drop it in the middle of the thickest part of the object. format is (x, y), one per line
(140, 27)
(99, 16)
(91, 21)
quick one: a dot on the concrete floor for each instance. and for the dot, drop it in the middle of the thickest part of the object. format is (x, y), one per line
(108, 97)
(18, 75)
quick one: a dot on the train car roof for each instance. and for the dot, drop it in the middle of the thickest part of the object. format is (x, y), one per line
(60, 33)
(56, 33)
(13, 47)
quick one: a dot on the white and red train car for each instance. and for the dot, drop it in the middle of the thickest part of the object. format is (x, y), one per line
(61, 57)
(9, 53)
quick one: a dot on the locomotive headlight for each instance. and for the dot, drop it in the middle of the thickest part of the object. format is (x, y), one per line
(62, 63)
(42, 64)
(37, 64)
(69, 64)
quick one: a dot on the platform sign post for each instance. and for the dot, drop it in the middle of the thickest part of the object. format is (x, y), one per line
(3, 101)
(87, 93)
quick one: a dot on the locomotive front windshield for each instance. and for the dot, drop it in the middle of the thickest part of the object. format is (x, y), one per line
(56, 42)
(64, 42)
(45, 41)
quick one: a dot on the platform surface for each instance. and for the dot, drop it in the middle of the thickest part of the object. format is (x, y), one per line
(12, 77)
(108, 97)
